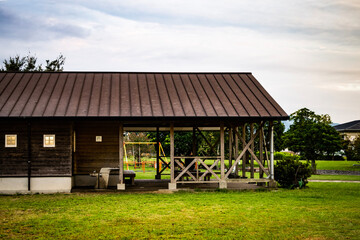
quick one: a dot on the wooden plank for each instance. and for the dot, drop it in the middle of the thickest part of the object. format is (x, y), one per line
(230, 145)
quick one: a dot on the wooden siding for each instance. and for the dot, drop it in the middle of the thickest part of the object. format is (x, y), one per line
(13, 161)
(91, 155)
(55, 161)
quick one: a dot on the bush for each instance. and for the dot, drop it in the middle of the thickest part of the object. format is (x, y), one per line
(292, 173)
(285, 156)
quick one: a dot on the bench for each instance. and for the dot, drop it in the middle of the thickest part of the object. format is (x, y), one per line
(103, 176)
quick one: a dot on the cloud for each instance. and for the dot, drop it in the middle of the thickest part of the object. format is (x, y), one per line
(36, 27)
(305, 53)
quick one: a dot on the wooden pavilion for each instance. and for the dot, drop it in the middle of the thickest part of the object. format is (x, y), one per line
(58, 127)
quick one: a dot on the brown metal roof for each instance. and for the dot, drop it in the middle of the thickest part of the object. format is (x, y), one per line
(116, 94)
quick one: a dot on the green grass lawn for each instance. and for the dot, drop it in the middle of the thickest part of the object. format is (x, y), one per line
(323, 211)
(337, 165)
(336, 177)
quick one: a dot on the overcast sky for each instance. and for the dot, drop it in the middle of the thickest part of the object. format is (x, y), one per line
(305, 53)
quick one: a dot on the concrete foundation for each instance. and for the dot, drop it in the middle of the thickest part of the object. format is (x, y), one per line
(222, 184)
(37, 185)
(172, 186)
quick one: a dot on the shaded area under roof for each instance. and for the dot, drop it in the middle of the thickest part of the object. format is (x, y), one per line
(135, 95)
(349, 126)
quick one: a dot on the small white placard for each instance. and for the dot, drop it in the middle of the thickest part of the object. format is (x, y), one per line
(98, 139)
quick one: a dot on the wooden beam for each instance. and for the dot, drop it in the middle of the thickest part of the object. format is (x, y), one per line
(236, 151)
(252, 149)
(121, 153)
(247, 148)
(222, 151)
(230, 145)
(261, 151)
(243, 127)
(158, 175)
(172, 153)
(185, 170)
(209, 169)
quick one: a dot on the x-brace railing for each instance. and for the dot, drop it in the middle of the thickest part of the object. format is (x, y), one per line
(247, 148)
(185, 170)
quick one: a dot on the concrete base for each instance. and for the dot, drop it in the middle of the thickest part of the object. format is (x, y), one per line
(272, 184)
(121, 186)
(172, 186)
(222, 184)
(37, 185)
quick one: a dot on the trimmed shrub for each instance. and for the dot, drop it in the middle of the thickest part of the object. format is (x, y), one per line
(285, 156)
(292, 173)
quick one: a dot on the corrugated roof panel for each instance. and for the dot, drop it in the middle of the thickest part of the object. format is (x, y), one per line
(184, 98)
(55, 96)
(174, 97)
(35, 95)
(204, 99)
(250, 94)
(13, 106)
(73, 105)
(115, 95)
(164, 96)
(95, 95)
(44, 98)
(266, 95)
(225, 89)
(64, 99)
(105, 96)
(82, 94)
(154, 96)
(125, 95)
(194, 98)
(144, 96)
(85, 95)
(8, 90)
(134, 96)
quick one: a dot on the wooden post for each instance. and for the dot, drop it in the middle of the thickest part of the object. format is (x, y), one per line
(222, 183)
(172, 184)
(194, 143)
(252, 149)
(261, 151)
(230, 146)
(158, 175)
(244, 156)
(271, 127)
(236, 152)
(121, 185)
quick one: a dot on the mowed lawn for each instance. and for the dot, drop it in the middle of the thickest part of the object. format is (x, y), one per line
(322, 211)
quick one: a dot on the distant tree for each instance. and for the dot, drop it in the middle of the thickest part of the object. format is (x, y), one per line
(352, 149)
(29, 64)
(312, 136)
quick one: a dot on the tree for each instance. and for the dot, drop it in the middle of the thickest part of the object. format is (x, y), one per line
(312, 136)
(29, 64)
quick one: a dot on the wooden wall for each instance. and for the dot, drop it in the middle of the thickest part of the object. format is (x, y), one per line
(13, 161)
(55, 161)
(91, 155)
